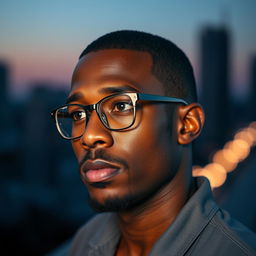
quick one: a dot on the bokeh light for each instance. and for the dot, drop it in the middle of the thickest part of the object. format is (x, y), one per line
(226, 160)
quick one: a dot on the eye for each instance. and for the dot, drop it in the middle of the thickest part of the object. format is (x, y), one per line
(77, 115)
(122, 107)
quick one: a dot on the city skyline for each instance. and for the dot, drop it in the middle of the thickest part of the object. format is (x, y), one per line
(40, 184)
(42, 40)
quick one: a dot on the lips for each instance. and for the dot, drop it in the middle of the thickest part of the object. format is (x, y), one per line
(99, 171)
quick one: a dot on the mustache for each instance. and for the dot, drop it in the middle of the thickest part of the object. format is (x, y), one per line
(102, 154)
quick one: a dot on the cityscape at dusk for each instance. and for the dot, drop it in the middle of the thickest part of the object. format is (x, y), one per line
(41, 41)
(43, 197)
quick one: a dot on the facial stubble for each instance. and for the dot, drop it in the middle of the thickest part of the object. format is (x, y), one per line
(131, 200)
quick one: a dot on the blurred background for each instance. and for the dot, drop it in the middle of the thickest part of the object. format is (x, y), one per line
(42, 200)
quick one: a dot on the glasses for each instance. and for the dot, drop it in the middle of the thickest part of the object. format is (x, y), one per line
(116, 112)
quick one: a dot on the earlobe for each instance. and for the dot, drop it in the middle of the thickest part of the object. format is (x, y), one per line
(190, 123)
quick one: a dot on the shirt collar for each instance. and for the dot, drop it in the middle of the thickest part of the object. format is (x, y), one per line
(189, 223)
(105, 239)
(187, 226)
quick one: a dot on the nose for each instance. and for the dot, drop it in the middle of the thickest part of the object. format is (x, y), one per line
(96, 134)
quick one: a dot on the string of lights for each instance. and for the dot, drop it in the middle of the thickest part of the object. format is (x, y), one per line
(226, 160)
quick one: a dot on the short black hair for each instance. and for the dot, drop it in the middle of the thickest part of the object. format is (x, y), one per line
(170, 64)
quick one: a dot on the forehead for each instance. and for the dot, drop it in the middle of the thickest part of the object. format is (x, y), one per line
(114, 68)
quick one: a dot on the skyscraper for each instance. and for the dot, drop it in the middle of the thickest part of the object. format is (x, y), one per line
(215, 53)
(4, 83)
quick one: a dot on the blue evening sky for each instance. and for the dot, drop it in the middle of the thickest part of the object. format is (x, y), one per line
(42, 39)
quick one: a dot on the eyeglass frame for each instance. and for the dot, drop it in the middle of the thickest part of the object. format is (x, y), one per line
(134, 97)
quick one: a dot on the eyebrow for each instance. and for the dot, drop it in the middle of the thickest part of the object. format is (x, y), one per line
(107, 90)
(74, 97)
(119, 89)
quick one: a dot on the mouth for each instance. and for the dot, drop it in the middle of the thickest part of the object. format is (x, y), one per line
(99, 171)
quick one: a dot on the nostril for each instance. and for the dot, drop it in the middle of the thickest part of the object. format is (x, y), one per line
(99, 142)
(93, 142)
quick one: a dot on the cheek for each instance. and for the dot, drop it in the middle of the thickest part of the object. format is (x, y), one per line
(148, 146)
(148, 158)
(151, 130)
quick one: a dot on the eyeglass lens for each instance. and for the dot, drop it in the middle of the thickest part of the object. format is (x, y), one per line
(116, 112)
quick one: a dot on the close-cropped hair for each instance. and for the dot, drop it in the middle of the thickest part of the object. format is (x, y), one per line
(170, 64)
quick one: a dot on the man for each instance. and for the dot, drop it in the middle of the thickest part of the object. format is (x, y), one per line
(131, 117)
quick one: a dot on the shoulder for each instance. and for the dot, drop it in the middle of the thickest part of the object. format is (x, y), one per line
(219, 233)
(224, 235)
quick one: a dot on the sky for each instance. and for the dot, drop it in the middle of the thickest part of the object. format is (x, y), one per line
(41, 40)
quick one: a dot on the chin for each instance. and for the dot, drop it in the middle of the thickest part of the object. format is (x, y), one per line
(128, 201)
(114, 204)
(119, 203)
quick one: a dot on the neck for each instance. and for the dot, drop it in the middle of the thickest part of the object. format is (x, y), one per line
(142, 227)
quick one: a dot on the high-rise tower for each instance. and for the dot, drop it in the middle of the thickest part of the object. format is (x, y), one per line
(4, 83)
(215, 53)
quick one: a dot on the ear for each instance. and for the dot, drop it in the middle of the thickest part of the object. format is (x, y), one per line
(190, 122)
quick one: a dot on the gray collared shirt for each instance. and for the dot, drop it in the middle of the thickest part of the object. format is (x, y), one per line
(201, 228)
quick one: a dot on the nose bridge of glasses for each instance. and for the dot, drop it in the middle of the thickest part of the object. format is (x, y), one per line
(90, 107)
(100, 114)
(88, 111)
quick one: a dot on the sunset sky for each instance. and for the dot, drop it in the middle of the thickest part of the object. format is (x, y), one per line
(41, 40)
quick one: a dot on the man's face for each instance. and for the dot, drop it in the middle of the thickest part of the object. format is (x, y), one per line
(123, 168)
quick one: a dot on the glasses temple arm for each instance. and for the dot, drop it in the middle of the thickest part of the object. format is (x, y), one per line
(159, 98)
